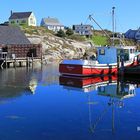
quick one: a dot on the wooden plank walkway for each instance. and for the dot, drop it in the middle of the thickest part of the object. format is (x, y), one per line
(6, 62)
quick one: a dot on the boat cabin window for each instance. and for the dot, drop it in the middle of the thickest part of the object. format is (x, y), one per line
(126, 54)
(132, 51)
(101, 52)
(119, 51)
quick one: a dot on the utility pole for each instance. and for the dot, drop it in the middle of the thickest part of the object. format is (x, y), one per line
(113, 24)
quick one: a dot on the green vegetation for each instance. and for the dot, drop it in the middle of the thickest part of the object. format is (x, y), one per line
(61, 33)
(100, 40)
(35, 30)
(70, 35)
(69, 32)
(77, 37)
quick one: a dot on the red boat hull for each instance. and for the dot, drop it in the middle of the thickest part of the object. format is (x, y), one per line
(80, 70)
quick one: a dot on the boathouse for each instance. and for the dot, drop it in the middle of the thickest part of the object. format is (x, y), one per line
(14, 44)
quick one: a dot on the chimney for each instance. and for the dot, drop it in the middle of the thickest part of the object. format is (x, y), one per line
(11, 12)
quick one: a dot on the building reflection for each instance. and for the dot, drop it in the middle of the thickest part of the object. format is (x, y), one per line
(15, 82)
(19, 81)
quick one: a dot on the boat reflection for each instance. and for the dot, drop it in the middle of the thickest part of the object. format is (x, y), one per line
(86, 84)
(105, 86)
(114, 88)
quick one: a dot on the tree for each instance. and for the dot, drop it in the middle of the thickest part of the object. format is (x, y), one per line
(69, 32)
(61, 33)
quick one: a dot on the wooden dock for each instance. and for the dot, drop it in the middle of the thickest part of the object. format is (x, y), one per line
(19, 62)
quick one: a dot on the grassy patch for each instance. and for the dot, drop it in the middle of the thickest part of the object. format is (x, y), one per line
(100, 40)
(35, 30)
(77, 37)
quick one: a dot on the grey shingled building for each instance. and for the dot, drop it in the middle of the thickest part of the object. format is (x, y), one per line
(12, 35)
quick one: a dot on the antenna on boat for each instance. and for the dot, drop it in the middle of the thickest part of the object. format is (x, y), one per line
(113, 27)
(113, 24)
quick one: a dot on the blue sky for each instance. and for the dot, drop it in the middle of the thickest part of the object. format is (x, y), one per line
(71, 12)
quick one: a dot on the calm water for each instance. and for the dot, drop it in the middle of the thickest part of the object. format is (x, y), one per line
(37, 104)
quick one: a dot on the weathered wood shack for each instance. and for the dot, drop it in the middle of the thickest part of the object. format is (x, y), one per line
(14, 43)
(22, 50)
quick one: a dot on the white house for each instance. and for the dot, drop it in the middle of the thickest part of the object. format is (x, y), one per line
(83, 29)
(52, 24)
(22, 18)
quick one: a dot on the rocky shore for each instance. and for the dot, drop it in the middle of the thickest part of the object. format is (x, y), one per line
(61, 48)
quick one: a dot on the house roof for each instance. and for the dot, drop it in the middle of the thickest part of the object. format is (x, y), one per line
(12, 35)
(20, 15)
(51, 21)
(83, 25)
(130, 34)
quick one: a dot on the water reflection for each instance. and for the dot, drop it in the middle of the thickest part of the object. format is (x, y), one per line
(111, 86)
(38, 104)
(115, 88)
(19, 81)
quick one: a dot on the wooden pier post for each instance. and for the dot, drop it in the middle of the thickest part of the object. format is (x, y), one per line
(118, 63)
(15, 62)
(20, 64)
(5, 61)
(27, 62)
(41, 59)
(32, 60)
(122, 65)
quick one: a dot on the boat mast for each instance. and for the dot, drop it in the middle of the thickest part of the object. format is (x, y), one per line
(113, 24)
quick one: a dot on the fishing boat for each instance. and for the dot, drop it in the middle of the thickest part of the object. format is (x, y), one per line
(105, 63)
(108, 60)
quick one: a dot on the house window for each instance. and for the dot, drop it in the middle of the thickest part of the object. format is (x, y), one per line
(23, 21)
(31, 21)
(101, 52)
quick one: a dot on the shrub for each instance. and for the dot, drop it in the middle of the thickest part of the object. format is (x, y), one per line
(69, 32)
(61, 33)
